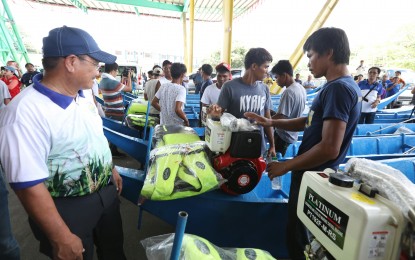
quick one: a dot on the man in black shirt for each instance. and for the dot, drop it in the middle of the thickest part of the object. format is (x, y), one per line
(27, 77)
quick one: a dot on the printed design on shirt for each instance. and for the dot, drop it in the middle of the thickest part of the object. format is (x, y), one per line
(309, 118)
(252, 103)
(94, 175)
(168, 98)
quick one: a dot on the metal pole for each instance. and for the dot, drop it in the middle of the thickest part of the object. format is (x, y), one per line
(16, 33)
(227, 16)
(191, 35)
(178, 237)
(185, 56)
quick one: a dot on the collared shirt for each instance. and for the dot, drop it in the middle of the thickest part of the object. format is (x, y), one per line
(55, 139)
(365, 87)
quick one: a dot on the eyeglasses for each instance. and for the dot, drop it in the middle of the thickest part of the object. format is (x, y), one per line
(97, 66)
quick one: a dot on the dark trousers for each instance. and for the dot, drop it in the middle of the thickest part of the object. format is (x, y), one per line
(296, 235)
(280, 145)
(367, 118)
(9, 249)
(95, 219)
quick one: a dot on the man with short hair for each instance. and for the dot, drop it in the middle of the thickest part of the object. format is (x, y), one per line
(297, 78)
(28, 76)
(309, 84)
(328, 128)
(400, 80)
(371, 92)
(392, 89)
(197, 80)
(150, 90)
(171, 97)
(166, 77)
(112, 90)
(361, 68)
(150, 74)
(211, 93)
(249, 94)
(207, 81)
(292, 104)
(60, 167)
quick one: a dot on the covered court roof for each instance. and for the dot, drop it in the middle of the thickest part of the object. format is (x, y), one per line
(205, 10)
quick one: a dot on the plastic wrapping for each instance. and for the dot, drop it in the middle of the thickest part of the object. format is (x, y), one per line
(198, 248)
(136, 121)
(391, 183)
(179, 171)
(403, 130)
(173, 134)
(137, 106)
(236, 124)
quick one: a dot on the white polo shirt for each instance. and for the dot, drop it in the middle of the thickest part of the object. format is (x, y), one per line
(56, 139)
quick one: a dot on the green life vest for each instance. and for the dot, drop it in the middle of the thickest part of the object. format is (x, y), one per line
(195, 247)
(149, 182)
(137, 107)
(140, 120)
(179, 171)
(252, 254)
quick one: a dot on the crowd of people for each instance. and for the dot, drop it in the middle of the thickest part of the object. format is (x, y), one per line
(57, 160)
(12, 80)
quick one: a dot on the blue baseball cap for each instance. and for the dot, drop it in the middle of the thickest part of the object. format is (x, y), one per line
(64, 41)
(9, 68)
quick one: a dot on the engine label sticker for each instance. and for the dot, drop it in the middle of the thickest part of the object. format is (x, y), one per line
(207, 134)
(362, 198)
(377, 244)
(329, 219)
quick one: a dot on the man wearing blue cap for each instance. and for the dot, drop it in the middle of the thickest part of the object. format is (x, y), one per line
(56, 157)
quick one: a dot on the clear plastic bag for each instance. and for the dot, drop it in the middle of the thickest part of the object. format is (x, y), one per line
(173, 134)
(179, 171)
(236, 124)
(391, 183)
(198, 248)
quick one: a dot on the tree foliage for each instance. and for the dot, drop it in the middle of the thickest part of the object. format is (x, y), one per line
(237, 57)
(395, 52)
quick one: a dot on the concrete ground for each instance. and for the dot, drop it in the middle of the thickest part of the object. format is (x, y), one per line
(151, 226)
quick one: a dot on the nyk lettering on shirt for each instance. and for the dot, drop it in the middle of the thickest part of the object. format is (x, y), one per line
(252, 103)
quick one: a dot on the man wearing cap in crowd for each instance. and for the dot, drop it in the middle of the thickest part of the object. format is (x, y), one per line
(28, 76)
(151, 88)
(211, 93)
(14, 64)
(56, 157)
(11, 80)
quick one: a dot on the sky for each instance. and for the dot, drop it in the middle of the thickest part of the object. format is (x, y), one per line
(275, 25)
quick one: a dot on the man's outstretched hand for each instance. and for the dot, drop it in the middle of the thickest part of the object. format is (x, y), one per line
(259, 120)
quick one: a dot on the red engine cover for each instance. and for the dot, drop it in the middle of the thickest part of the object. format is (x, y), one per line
(243, 174)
